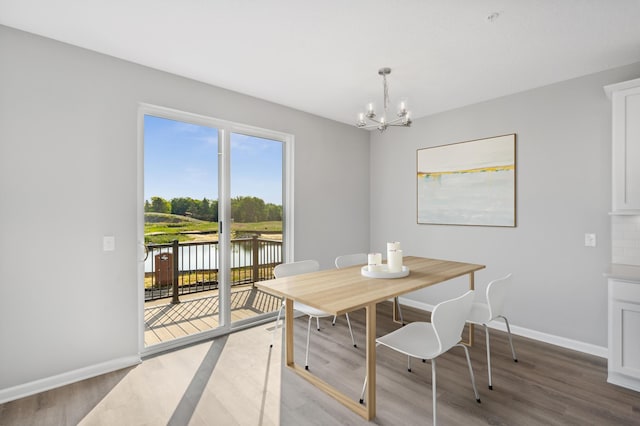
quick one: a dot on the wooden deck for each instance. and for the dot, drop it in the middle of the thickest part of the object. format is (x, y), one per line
(198, 312)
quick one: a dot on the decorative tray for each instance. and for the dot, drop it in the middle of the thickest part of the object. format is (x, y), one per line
(383, 272)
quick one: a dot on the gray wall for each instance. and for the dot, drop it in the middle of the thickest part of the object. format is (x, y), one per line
(68, 167)
(563, 191)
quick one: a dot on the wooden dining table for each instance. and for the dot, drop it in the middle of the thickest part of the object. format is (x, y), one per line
(339, 291)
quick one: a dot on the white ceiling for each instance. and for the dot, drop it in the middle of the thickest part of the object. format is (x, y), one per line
(323, 56)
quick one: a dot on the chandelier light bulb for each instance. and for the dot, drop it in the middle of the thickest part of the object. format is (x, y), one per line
(402, 111)
(370, 112)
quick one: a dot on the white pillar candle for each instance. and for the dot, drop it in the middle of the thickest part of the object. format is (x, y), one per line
(393, 246)
(394, 260)
(392, 264)
(374, 261)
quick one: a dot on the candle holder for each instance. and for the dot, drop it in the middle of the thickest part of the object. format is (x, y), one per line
(383, 272)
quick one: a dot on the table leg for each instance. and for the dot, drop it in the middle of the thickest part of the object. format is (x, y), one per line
(371, 361)
(367, 412)
(472, 286)
(288, 329)
(396, 310)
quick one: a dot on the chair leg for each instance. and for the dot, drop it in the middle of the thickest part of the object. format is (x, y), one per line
(334, 320)
(275, 329)
(306, 356)
(397, 302)
(364, 388)
(433, 388)
(486, 333)
(513, 352)
(408, 363)
(473, 379)
(318, 323)
(350, 331)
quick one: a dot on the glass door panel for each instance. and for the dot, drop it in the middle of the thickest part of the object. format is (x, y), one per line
(181, 269)
(256, 189)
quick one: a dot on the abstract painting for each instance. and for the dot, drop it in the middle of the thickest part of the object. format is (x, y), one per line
(468, 183)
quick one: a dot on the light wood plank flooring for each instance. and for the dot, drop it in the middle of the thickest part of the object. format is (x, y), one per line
(238, 380)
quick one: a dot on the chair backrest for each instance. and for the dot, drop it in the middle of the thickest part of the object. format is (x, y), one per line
(295, 268)
(351, 260)
(448, 319)
(496, 295)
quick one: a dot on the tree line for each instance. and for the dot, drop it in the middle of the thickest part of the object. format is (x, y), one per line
(243, 209)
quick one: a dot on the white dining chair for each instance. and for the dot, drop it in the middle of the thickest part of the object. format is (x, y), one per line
(345, 261)
(297, 268)
(483, 313)
(429, 340)
(362, 259)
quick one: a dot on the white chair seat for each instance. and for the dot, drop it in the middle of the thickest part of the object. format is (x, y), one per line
(416, 339)
(308, 310)
(479, 313)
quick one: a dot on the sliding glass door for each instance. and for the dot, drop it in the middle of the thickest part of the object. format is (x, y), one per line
(214, 224)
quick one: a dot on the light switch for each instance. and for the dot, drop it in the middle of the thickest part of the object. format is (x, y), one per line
(589, 240)
(109, 243)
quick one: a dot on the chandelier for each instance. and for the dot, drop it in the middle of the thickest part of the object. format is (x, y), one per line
(369, 119)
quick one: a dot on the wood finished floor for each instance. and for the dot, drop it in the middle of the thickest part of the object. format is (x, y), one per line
(238, 380)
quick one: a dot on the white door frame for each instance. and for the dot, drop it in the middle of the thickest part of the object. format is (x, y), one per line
(225, 128)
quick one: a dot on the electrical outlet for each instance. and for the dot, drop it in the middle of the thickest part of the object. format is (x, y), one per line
(589, 240)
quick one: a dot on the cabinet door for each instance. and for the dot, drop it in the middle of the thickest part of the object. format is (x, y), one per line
(626, 149)
(624, 329)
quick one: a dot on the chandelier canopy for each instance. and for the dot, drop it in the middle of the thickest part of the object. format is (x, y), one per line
(369, 119)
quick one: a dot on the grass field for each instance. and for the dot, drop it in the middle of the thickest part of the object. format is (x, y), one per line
(160, 228)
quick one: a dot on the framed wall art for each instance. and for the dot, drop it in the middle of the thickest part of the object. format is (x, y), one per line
(468, 183)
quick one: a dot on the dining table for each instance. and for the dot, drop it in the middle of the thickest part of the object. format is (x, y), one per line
(340, 291)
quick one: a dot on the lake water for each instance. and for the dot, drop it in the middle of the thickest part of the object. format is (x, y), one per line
(205, 256)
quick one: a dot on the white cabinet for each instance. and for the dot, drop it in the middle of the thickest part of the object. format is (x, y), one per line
(624, 333)
(625, 126)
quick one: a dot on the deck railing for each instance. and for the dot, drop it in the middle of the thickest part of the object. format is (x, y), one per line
(181, 268)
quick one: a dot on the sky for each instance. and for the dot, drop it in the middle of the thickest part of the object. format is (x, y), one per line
(181, 160)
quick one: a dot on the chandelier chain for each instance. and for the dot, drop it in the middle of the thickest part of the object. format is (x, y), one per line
(386, 93)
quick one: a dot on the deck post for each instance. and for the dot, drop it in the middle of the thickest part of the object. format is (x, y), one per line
(255, 246)
(175, 298)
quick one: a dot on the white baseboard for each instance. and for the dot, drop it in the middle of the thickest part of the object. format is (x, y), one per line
(41, 385)
(601, 351)
(624, 381)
